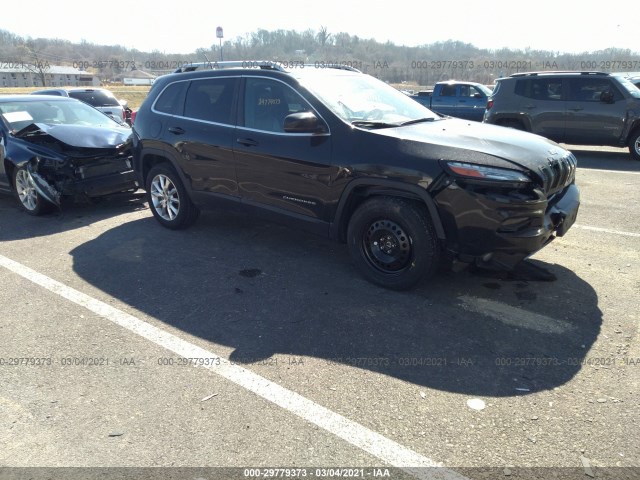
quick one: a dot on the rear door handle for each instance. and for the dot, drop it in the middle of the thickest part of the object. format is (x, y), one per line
(577, 109)
(530, 106)
(176, 130)
(247, 142)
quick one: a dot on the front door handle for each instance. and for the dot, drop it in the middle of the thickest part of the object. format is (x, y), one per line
(247, 142)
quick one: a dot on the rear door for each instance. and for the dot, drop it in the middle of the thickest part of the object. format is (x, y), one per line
(203, 135)
(445, 99)
(542, 103)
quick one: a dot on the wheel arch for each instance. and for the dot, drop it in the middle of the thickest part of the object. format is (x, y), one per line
(360, 190)
(151, 157)
(511, 120)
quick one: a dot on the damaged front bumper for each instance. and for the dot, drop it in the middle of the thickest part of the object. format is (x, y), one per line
(54, 180)
(500, 229)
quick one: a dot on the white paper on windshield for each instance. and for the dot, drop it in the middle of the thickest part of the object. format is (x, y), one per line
(17, 116)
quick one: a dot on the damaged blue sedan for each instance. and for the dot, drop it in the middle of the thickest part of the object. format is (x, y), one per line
(53, 147)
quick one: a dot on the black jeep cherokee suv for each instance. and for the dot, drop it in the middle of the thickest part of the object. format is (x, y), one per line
(347, 156)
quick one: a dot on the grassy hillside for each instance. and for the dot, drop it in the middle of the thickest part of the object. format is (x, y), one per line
(134, 95)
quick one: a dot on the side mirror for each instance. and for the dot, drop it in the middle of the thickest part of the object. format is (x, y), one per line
(606, 96)
(303, 122)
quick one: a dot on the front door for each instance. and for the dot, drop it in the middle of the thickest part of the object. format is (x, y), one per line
(287, 172)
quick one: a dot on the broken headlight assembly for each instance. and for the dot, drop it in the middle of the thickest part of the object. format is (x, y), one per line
(473, 173)
(502, 185)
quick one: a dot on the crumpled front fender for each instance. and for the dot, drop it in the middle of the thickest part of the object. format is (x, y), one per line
(44, 189)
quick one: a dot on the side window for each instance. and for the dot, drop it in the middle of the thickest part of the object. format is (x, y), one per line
(591, 89)
(540, 88)
(211, 99)
(171, 100)
(267, 102)
(448, 91)
(473, 91)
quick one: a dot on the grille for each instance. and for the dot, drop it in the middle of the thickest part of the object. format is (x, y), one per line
(558, 173)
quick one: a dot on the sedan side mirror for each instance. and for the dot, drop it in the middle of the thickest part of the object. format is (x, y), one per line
(303, 122)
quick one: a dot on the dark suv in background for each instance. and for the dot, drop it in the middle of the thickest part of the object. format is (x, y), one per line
(342, 154)
(99, 98)
(583, 108)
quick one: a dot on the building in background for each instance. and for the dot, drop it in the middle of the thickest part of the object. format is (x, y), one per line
(135, 77)
(25, 75)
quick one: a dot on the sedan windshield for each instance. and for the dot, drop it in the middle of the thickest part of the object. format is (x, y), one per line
(365, 101)
(20, 114)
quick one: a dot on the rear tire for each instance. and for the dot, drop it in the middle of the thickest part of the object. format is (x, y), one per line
(634, 144)
(393, 242)
(25, 191)
(168, 199)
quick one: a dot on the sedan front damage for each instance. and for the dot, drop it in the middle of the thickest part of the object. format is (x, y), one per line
(73, 161)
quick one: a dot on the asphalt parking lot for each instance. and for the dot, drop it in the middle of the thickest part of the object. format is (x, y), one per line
(241, 343)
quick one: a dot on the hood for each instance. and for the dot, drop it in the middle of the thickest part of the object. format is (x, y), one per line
(515, 146)
(79, 136)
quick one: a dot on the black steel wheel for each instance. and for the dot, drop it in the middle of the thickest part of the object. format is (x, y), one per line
(393, 242)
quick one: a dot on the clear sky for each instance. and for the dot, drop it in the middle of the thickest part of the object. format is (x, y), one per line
(185, 25)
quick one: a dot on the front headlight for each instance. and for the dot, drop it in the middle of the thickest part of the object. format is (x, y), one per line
(482, 173)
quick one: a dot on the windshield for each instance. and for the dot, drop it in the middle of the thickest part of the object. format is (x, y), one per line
(630, 87)
(362, 98)
(20, 114)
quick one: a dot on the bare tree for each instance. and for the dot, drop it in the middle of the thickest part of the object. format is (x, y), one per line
(33, 62)
(324, 36)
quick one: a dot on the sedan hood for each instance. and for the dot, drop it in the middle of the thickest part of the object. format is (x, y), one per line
(79, 136)
(514, 146)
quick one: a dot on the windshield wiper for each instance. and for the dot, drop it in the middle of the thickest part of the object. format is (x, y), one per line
(417, 120)
(373, 124)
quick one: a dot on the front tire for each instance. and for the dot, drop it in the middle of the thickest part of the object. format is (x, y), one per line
(393, 243)
(168, 199)
(25, 190)
(634, 144)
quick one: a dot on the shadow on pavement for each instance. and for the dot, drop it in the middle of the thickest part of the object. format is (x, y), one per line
(266, 290)
(71, 216)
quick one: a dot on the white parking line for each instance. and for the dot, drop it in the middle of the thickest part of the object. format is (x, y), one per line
(607, 230)
(371, 442)
(587, 169)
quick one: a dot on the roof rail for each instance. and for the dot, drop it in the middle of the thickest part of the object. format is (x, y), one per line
(262, 64)
(337, 66)
(554, 72)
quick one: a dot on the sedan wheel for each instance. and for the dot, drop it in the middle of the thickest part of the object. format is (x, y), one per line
(25, 190)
